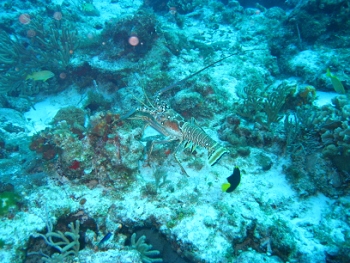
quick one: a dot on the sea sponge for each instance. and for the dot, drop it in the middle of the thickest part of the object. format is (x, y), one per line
(8, 201)
(346, 111)
(72, 115)
(185, 100)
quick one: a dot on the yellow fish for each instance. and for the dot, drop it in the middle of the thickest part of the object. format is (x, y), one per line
(337, 85)
(41, 75)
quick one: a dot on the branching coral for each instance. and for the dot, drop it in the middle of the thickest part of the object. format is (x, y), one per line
(10, 51)
(54, 43)
(11, 55)
(300, 134)
(141, 246)
(250, 93)
(274, 103)
(263, 106)
(66, 243)
(318, 143)
(50, 47)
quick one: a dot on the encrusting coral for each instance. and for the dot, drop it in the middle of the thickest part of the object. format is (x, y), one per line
(106, 151)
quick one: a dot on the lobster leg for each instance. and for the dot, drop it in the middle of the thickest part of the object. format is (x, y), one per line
(176, 149)
(178, 161)
(159, 142)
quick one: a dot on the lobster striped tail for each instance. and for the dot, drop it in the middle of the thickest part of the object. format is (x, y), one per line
(215, 153)
(197, 136)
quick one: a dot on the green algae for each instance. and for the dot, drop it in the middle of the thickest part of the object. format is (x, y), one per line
(8, 200)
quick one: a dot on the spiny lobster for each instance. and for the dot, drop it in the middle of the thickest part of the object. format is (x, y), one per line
(172, 125)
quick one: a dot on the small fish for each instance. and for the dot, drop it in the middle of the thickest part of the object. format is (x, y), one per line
(41, 75)
(337, 85)
(104, 239)
(233, 181)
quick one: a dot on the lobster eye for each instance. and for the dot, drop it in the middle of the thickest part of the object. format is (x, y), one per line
(168, 117)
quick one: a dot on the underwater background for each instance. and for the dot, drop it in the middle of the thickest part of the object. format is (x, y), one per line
(175, 131)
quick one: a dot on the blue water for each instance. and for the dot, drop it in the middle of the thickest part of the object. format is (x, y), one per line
(174, 131)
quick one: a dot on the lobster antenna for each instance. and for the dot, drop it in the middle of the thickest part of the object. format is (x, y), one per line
(144, 92)
(140, 101)
(132, 111)
(160, 92)
(148, 100)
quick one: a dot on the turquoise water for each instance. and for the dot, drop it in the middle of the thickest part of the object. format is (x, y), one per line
(174, 131)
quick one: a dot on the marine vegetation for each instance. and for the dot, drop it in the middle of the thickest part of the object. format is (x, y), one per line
(87, 86)
(317, 137)
(26, 69)
(147, 255)
(263, 104)
(66, 243)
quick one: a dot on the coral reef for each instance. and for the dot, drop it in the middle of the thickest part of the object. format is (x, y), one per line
(51, 47)
(310, 130)
(74, 117)
(67, 248)
(142, 25)
(96, 154)
(250, 76)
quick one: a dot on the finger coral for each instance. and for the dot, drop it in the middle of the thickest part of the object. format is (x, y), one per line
(144, 249)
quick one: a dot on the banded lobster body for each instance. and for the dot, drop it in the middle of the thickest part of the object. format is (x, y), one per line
(175, 128)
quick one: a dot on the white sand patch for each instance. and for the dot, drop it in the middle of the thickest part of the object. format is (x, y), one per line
(41, 114)
(316, 206)
(324, 98)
